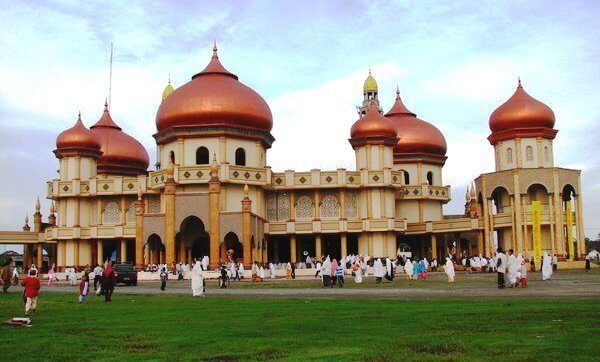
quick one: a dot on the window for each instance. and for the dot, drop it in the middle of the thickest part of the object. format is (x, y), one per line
(509, 155)
(406, 178)
(202, 156)
(172, 157)
(430, 178)
(529, 153)
(330, 207)
(240, 157)
(546, 154)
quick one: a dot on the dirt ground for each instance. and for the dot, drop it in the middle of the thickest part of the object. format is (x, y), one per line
(566, 284)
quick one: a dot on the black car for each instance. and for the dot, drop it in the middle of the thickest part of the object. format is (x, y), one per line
(126, 274)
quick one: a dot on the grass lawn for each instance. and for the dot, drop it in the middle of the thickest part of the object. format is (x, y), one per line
(226, 329)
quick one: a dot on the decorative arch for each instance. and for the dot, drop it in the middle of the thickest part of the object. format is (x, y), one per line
(305, 208)
(509, 155)
(500, 200)
(154, 249)
(172, 156)
(111, 213)
(231, 242)
(568, 192)
(406, 178)
(202, 156)
(240, 157)
(193, 235)
(130, 214)
(430, 178)
(330, 207)
(529, 153)
(537, 192)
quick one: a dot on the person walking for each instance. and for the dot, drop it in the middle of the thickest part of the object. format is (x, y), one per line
(84, 285)
(32, 289)
(339, 273)
(449, 269)
(108, 282)
(501, 267)
(97, 276)
(546, 266)
(588, 265)
(197, 280)
(163, 278)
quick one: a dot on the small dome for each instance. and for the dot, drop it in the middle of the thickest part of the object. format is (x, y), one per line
(213, 98)
(370, 84)
(168, 90)
(521, 112)
(121, 153)
(373, 126)
(415, 136)
(77, 138)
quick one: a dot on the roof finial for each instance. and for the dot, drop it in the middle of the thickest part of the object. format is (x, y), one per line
(369, 71)
(26, 219)
(169, 78)
(37, 205)
(519, 81)
(397, 92)
(105, 104)
(215, 55)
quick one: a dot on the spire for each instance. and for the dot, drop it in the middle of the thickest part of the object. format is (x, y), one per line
(168, 89)
(37, 205)
(106, 120)
(468, 193)
(52, 207)
(473, 192)
(215, 66)
(399, 107)
(519, 82)
(26, 219)
(397, 92)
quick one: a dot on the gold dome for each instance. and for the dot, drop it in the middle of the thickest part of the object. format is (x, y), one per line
(168, 90)
(370, 84)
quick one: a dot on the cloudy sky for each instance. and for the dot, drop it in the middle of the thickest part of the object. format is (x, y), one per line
(454, 62)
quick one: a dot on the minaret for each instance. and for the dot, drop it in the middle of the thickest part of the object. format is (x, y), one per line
(370, 91)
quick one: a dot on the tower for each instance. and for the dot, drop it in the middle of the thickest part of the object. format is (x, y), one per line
(370, 91)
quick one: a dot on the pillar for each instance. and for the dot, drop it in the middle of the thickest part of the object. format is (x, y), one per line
(139, 232)
(123, 250)
(26, 256)
(214, 191)
(76, 253)
(293, 248)
(434, 246)
(100, 252)
(318, 250)
(458, 251)
(481, 245)
(579, 225)
(40, 255)
(344, 244)
(518, 206)
(247, 227)
(170, 216)
(63, 255)
(181, 250)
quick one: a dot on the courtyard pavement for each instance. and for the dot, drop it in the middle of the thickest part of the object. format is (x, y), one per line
(567, 284)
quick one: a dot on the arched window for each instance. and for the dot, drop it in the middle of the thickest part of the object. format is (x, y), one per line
(330, 207)
(406, 178)
(172, 157)
(305, 209)
(240, 157)
(430, 178)
(202, 156)
(546, 154)
(111, 213)
(529, 153)
(509, 155)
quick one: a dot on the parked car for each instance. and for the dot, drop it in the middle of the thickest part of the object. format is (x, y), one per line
(126, 273)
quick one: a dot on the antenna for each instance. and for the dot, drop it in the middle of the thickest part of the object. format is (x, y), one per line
(110, 75)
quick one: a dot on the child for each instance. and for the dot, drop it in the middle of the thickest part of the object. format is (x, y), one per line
(523, 272)
(32, 287)
(84, 286)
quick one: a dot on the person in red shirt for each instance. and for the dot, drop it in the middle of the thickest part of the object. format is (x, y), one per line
(32, 288)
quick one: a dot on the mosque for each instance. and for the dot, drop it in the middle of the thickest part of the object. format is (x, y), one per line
(212, 193)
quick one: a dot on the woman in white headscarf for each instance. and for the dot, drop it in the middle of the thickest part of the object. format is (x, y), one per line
(408, 268)
(449, 269)
(378, 272)
(197, 280)
(357, 272)
(546, 266)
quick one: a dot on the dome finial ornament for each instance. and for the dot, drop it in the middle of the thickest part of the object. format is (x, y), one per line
(37, 205)
(215, 49)
(519, 82)
(468, 193)
(397, 91)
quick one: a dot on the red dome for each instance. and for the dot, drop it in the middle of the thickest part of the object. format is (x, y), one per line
(521, 116)
(416, 137)
(214, 97)
(121, 153)
(77, 140)
(372, 127)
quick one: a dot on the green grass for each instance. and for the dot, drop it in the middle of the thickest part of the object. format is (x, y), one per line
(227, 329)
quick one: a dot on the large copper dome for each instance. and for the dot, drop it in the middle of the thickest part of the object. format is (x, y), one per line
(416, 137)
(373, 127)
(214, 97)
(77, 140)
(521, 116)
(121, 153)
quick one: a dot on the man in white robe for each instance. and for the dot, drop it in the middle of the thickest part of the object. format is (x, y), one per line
(378, 270)
(389, 270)
(205, 262)
(546, 266)
(241, 271)
(272, 269)
(449, 269)
(408, 268)
(512, 267)
(197, 280)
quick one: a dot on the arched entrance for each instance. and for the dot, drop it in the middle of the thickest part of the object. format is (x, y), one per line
(155, 250)
(193, 238)
(232, 243)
